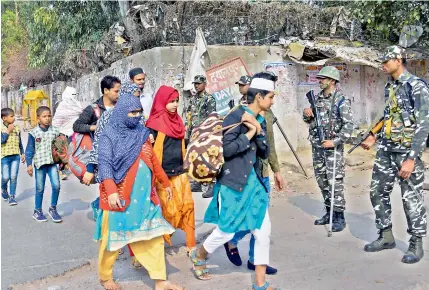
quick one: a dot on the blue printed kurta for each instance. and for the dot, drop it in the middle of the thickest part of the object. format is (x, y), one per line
(142, 220)
(235, 211)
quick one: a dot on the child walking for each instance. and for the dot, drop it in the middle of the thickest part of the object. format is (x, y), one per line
(11, 150)
(39, 152)
(169, 133)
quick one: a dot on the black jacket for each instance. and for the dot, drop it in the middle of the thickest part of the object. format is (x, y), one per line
(240, 153)
(88, 117)
(172, 161)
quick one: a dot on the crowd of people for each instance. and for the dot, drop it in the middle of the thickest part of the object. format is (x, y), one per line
(144, 192)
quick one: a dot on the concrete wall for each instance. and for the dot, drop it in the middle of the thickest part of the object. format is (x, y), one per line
(363, 85)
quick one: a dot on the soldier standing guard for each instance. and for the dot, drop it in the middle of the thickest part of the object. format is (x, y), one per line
(197, 111)
(336, 117)
(200, 105)
(401, 142)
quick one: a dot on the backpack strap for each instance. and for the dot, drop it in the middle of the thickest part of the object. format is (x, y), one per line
(97, 110)
(408, 88)
(339, 104)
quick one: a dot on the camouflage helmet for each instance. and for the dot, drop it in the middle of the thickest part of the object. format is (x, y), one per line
(392, 52)
(244, 80)
(329, 72)
(199, 79)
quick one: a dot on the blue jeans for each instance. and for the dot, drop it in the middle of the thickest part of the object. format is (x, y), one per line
(9, 172)
(52, 171)
(240, 235)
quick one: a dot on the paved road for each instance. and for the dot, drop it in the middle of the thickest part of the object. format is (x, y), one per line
(32, 250)
(305, 256)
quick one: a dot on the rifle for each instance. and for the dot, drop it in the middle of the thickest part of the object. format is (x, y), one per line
(371, 130)
(375, 127)
(312, 100)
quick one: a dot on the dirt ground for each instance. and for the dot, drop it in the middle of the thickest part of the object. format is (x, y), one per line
(358, 173)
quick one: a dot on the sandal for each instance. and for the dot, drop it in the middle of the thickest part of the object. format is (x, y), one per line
(265, 287)
(201, 274)
(111, 285)
(169, 285)
(135, 263)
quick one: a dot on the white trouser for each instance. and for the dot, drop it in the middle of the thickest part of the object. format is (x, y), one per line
(262, 241)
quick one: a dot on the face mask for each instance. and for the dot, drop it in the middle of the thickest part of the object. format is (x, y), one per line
(132, 122)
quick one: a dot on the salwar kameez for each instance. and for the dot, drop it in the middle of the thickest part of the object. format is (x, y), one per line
(148, 253)
(141, 226)
(179, 210)
(235, 211)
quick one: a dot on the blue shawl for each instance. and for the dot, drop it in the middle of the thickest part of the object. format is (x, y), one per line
(122, 140)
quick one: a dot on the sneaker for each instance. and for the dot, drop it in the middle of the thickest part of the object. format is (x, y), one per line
(39, 216)
(56, 218)
(4, 195)
(63, 175)
(94, 210)
(12, 200)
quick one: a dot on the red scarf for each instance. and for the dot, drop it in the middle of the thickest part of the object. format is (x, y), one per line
(162, 120)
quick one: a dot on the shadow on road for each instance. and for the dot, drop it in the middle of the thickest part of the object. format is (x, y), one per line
(125, 272)
(67, 208)
(26, 194)
(360, 226)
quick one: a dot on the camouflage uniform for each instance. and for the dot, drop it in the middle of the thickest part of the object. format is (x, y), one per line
(323, 159)
(199, 108)
(412, 98)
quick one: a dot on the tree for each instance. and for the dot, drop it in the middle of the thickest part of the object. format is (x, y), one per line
(66, 27)
(384, 20)
(13, 34)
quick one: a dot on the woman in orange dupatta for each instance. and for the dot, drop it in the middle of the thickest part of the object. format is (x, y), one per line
(130, 214)
(169, 132)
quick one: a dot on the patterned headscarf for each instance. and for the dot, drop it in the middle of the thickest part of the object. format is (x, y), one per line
(122, 140)
(128, 88)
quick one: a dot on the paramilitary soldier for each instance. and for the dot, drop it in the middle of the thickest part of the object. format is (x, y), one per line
(200, 106)
(401, 141)
(197, 111)
(336, 117)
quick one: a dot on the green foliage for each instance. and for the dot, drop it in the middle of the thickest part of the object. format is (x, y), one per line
(59, 27)
(384, 19)
(13, 34)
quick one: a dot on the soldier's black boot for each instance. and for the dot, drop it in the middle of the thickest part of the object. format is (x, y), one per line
(415, 251)
(324, 220)
(385, 241)
(338, 222)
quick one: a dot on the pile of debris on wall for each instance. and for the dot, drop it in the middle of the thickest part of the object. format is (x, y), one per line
(228, 22)
(324, 49)
(322, 32)
(151, 24)
(310, 33)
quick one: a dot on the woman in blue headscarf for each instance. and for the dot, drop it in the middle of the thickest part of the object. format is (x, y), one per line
(131, 214)
(127, 90)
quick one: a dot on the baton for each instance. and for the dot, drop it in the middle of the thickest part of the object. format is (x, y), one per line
(275, 121)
